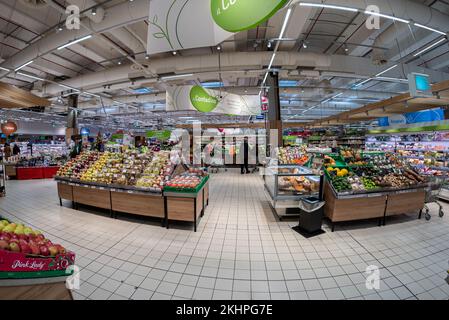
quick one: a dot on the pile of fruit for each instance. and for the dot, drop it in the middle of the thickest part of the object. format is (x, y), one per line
(156, 172)
(19, 238)
(329, 161)
(92, 173)
(368, 184)
(338, 172)
(341, 184)
(185, 181)
(292, 155)
(356, 183)
(76, 167)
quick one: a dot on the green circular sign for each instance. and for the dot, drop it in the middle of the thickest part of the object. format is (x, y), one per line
(240, 15)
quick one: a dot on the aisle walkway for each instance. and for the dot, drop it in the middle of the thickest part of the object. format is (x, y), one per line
(239, 252)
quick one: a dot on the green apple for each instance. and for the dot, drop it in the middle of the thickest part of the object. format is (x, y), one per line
(202, 100)
(4, 222)
(240, 15)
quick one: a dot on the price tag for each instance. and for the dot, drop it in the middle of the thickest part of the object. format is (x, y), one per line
(130, 191)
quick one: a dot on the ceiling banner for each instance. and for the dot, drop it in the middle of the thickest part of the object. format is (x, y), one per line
(185, 24)
(197, 98)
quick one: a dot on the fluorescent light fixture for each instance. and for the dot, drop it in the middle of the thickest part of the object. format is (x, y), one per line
(265, 78)
(429, 47)
(271, 61)
(177, 76)
(4, 69)
(372, 13)
(391, 79)
(327, 6)
(385, 71)
(23, 65)
(284, 25)
(430, 29)
(92, 94)
(30, 76)
(337, 95)
(75, 41)
(363, 82)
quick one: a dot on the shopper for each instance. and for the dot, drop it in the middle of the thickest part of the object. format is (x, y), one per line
(16, 149)
(244, 166)
(7, 150)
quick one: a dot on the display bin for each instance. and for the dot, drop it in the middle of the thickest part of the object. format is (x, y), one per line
(29, 173)
(139, 203)
(50, 172)
(53, 288)
(188, 207)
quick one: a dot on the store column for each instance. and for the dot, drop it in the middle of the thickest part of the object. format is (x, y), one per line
(72, 121)
(274, 122)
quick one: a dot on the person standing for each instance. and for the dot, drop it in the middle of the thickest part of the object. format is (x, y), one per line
(244, 166)
(7, 151)
(16, 149)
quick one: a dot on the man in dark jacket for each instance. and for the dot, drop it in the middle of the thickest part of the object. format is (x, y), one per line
(245, 156)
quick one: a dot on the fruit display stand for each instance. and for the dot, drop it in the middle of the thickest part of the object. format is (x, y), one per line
(186, 204)
(351, 206)
(31, 266)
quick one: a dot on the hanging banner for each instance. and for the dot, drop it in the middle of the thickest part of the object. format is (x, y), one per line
(197, 98)
(161, 135)
(436, 114)
(186, 24)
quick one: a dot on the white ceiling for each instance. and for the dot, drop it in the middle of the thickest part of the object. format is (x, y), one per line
(338, 36)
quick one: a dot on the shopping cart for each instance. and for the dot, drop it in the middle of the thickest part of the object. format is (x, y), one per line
(432, 195)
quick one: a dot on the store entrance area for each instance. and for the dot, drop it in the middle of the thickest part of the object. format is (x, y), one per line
(240, 251)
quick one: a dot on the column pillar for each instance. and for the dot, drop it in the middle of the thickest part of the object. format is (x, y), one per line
(274, 120)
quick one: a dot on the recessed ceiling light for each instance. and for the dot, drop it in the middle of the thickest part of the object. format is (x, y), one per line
(147, 57)
(94, 11)
(174, 53)
(218, 47)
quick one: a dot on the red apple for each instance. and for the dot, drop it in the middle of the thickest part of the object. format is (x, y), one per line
(44, 251)
(40, 237)
(14, 236)
(21, 242)
(4, 245)
(14, 240)
(5, 236)
(25, 248)
(35, 249)
(23, 237)
(14, 247)
(53, 251)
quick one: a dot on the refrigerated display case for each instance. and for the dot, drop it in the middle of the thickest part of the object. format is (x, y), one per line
(286, 185)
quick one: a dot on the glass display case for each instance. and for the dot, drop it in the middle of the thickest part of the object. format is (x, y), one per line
(288, 184)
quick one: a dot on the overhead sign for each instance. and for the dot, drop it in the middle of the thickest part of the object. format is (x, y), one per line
(161, 135)
(419, 85)
(197, 98)
(436, 114)
(175, 25)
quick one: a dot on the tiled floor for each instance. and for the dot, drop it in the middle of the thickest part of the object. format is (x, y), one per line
(239, 252)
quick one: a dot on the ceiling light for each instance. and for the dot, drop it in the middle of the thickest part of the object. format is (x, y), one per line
(363, 82)
(60, 28)
(75, 41)
(385, 71)
(177, 76)
(429, 47)
(219, 48)
(304, 45)
(30, 76)
(271, 61)
(269, 44)
(5, 69)
(174, 53)
(327, 6)
(373, 13)
(284, 25)
(392, 79)
(23, 65)
(147, 57)
(119, 62)
(430, 29)
(94, 11)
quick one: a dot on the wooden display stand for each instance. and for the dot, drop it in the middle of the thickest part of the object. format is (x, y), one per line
(350, 209)
(35, 289)
(371, 205)
(187, 207)
(10, 170)
(175, 206)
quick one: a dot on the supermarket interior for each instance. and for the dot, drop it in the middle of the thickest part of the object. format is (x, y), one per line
(224, 150)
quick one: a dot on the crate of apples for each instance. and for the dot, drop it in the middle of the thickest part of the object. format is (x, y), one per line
(24, 250)
(184, 182)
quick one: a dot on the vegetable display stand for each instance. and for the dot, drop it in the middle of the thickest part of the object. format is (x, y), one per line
(341, 208)
(408, 201)
(186, 206)
(139, 203)
(35, 289)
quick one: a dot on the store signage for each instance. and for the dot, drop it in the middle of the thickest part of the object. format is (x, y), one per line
(240, 15)
(419, 85)
(436, 114)
(161, 135)
(175, 25)
(264, 103)
(9, 127)
(197, 98)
